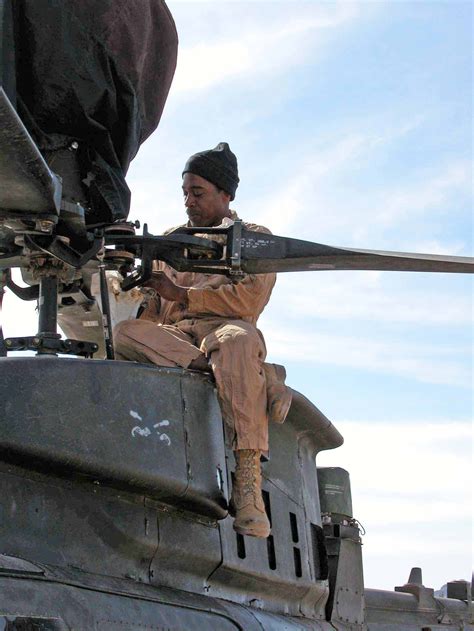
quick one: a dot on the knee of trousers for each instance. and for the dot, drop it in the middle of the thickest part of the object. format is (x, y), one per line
(235, 336)
(121, 333)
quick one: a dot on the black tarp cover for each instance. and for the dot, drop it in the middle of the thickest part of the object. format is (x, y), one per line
(96, 72)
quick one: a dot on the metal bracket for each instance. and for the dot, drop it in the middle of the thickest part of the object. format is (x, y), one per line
(145, 270)
(235, 257)
(106, 317)
(53, 246)
(52, 344)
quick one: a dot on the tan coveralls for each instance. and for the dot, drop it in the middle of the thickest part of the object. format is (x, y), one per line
(219, 321)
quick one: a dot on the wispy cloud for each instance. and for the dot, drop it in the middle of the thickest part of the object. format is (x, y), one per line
(431, 193)
(419, 362)
(313, 191)
(367, 297)
(259, 47)
(300, 197)
(314, 195)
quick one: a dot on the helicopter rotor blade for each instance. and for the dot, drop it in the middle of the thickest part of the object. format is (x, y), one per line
(261, 253)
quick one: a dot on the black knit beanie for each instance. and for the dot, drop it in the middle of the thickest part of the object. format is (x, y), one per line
(218, 165)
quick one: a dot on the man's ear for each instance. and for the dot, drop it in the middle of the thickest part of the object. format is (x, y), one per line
(226, 196)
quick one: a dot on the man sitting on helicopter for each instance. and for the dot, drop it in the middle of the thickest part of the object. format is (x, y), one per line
(208, 322)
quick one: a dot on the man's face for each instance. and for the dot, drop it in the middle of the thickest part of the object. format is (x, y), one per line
(206, 205)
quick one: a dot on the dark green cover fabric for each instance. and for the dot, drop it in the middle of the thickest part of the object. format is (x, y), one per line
(96, 73)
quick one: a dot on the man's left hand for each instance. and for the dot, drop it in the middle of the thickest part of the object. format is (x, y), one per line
(168, 290)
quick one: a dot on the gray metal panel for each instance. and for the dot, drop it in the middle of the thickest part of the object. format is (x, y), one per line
(274, 622)
(88, 610)
(27, 184)
(188, 552)
(205, 452)
(309, 480)
(7, 51)
(346, 605)
(283, 467)
(56, 522)
(116, 422)
(95, 420)
(84, 603)
(16, 566)
(335, 492)
(308, 420)
(293, 447)
(392, 611)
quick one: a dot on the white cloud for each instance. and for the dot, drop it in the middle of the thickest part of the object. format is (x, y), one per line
(156, 203)
(368, 296)
(313, 195)
(258, 47)
(392, 511)
(411, 482)
(433, 192)
(405, 455)
(291, 205)
(419, 362)
(382, 543)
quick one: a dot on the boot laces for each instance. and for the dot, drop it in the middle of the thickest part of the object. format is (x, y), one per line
(249, 476)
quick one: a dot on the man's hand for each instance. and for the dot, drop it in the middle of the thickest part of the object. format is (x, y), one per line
(165, 287)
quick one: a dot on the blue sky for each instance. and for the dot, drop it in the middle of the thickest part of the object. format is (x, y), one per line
(352, 123)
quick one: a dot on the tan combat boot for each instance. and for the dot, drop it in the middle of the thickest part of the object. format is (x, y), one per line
(278, 394)
(246, 503)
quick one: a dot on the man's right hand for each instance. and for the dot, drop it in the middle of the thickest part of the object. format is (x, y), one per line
(168, 290)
